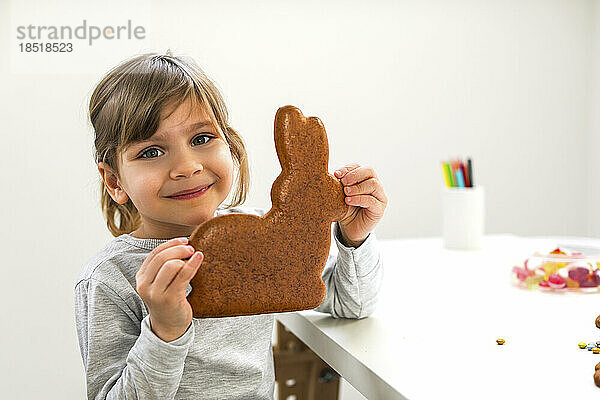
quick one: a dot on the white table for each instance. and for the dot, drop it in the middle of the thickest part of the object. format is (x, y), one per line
(433, 335)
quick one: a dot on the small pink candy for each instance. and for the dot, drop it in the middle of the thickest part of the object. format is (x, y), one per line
(556, 281)
(544, 284)
(522, 273)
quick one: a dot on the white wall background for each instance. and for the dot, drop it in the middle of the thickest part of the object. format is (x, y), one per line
(593, 131)
(398, 85)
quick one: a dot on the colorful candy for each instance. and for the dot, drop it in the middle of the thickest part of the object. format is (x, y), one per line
(559, 270)
(551, 268)
(593, 347)
(523, 273)
(588, 284)
(556, 281)
(500, 341)
(571, 284)
(544, 285)
(579, 274)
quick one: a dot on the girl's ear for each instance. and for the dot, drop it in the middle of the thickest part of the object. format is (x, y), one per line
(112, 184)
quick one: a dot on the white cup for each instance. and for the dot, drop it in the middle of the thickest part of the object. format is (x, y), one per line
(463, 212)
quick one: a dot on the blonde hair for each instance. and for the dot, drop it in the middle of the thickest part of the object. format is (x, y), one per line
(126, 106)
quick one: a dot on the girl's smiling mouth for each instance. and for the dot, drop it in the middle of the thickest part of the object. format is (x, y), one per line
(191, 195)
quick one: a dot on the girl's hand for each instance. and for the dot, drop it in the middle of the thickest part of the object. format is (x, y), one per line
(161, 283)
(364, 194)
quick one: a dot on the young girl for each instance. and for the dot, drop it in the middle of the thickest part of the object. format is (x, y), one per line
(161, 128)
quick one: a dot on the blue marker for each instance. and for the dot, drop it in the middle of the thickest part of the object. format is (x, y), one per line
(460, 179)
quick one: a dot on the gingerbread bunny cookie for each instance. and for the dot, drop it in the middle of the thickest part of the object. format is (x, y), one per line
(274, 263)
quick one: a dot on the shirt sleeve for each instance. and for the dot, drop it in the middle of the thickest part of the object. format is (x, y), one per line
(353, 278)
(122, 357)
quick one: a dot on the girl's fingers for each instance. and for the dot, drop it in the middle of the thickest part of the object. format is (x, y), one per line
(370, 186)
(153, 267)
(186, 273)
(345, 169)
(358, 174)
(367, 186)
(166, 274)
(364, 201)
(158, 249)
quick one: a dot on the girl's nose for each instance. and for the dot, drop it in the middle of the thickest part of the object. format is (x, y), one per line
(186, 166)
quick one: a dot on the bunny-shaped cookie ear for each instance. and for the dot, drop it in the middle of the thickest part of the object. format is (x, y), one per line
(303, 152)
(301, 143)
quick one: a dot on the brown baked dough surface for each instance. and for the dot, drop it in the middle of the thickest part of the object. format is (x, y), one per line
(274, 263)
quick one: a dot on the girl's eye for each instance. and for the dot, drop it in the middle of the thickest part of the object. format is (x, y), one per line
(208, 138)
(148, 152)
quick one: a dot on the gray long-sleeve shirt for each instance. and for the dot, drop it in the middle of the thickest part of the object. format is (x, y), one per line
(216, 358)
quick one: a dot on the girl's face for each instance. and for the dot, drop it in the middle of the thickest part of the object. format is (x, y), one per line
(185, 152)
